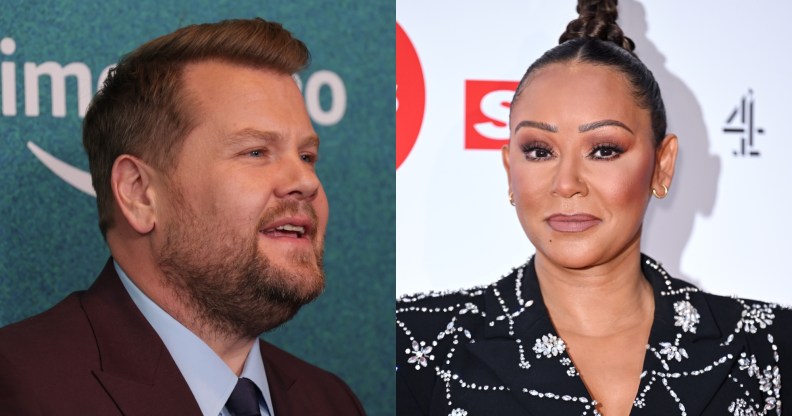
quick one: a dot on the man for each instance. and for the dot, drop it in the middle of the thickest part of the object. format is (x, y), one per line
(202, 156)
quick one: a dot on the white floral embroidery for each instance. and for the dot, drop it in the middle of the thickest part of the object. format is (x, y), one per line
(755, 315)
(740, 407)
(450, 328)
(469, 307)
(686, 316)
(770, 380)
(758, 382)
(420, 354)
(749, 364)
(672, 352)
(549, 346)
(639, 402)
(770, 404)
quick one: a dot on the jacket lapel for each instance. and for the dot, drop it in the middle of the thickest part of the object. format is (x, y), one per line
(284, 387)
(136, 369)
(667, 384)
(515, 323)
(692, 380)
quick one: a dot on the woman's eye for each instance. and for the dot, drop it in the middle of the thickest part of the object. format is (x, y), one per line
(537, 152)
(606, 152)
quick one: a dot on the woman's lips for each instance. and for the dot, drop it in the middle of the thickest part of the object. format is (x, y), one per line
(574, 223)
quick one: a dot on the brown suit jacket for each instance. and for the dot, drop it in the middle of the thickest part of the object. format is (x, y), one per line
(95, 354)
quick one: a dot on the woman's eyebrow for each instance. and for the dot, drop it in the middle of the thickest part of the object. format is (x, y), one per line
(602, 123)
(537, 125)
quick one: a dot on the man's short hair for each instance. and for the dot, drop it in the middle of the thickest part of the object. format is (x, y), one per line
(142, 109)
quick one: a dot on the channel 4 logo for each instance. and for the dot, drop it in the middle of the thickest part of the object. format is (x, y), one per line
(742, 122)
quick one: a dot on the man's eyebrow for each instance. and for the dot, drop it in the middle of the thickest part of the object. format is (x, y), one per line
(602, 123)
(254, 135)
(537, 125)
(312, 140)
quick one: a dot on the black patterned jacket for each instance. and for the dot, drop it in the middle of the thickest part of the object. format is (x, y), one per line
(493, 351)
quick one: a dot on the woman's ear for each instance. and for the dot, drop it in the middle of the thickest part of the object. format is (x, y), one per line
(505, 157)
(665, 162)
(131, 182)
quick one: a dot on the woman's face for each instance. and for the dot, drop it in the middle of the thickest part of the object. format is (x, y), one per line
(582, 162)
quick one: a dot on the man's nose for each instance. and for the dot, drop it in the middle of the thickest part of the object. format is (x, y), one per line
(297, 178)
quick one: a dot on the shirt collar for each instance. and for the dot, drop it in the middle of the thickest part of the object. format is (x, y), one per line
(254, 370)
(209, 378)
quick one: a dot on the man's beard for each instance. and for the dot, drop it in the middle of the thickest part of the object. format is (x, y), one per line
(230, 286)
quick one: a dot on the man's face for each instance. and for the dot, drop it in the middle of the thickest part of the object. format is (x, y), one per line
(244, 217)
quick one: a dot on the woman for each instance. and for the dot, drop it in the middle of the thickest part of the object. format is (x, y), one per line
(589, 325)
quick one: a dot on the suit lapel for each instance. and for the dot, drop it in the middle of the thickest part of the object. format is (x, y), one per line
(535, 388)
(691, 380)
(530, 375)
(668, 384)
(136, 369)
(283, 386)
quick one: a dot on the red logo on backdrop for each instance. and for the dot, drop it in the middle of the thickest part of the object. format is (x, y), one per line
(487, 113)
(410, 96)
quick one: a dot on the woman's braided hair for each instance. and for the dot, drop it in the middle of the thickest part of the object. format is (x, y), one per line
(595, 38)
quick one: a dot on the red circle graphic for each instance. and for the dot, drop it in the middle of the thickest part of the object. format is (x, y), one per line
(410, 96)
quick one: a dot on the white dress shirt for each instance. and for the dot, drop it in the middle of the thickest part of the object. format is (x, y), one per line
(209, 378)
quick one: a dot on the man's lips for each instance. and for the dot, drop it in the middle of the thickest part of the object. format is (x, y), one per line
(289, 227)
(572, 223)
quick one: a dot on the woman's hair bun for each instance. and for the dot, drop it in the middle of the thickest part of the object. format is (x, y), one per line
(597, 19)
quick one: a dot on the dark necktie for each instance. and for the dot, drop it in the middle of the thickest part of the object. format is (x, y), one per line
(244, 400)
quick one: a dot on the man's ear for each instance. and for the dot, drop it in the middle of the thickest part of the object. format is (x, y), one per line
(135, 195)
(665, 162)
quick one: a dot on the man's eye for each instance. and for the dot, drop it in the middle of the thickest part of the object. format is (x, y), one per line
(256, 153)
(309, 158)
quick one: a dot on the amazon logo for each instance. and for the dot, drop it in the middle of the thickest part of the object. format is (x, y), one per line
(324, 92)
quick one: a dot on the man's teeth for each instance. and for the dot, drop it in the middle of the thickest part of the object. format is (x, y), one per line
(294, 228)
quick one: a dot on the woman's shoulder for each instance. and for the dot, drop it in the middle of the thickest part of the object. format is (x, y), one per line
(764, 325)
(428, 328)
(751, 317)
(429, 323)
(763, 328)
(432, 316)
(733, 314)
(733, 351)
(440, 303)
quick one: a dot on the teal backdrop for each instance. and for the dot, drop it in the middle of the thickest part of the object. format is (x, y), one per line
(50, 244)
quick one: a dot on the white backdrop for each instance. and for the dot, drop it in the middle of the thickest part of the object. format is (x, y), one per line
(726, 222)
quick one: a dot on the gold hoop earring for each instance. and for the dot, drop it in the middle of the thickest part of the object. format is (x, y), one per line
(511, 199)
(665, 192)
